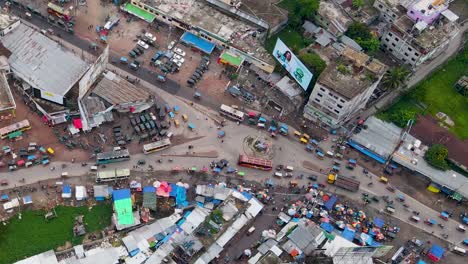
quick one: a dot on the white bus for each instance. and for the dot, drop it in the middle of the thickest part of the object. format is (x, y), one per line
(231, 112)
(156, 146)
(112, 175)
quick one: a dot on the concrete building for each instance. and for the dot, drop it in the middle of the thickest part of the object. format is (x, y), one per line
(332, 18)
(343, 88)
(207, 23)
(420, 35)
(391, 10)
(285, 97)
(264, 14)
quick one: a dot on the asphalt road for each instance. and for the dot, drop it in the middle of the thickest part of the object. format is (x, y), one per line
(39, 173)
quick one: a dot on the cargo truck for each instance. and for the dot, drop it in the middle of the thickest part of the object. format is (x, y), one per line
(344, 182)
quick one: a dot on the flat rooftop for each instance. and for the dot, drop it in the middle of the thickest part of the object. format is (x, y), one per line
(352, 73)
(116, 90)
(430, 37)
(6, 20)
(7, 101)
(266, 10)
(42, 62)
(197, 13)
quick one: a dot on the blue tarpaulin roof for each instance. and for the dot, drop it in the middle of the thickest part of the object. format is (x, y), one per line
(348, 234)
(247, 195)
(199, 43)
(121, 194)
(5, 197)
(272, 128)
(330, 203)
(66, 188)
(379, 222)
(367, 152)
(465, 241)
(221, 133)
(437, 251)
(27, 199)
(284, 126)
(149, 189)
(432, 221)
(261, 119)
(444, 214)
(327, 227)
(421, 262)
(465, 220)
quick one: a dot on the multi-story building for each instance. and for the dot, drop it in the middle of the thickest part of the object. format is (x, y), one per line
(204, 21)
(343, 88)
(391, 10)
(421, 34)
(332, 18)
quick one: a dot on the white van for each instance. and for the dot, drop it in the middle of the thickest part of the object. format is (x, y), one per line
(94, 168)
(117, 148)
(169, 135)
(64, 174)
(278, 174)
(261, 125)
(459, 251)
(289, 168)
(330, 154)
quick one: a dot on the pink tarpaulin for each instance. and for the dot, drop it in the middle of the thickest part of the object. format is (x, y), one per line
(77, 123)
(164, 189)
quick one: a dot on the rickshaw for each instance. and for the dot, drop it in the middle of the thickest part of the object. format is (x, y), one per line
(303, 140)
(191, 126)
(306, 136)
(336, 168)
(309, 148)
(241, 173)
(293, 183)
(401, 197)
(383, 179)
(414, 218)
(230, 170)
(444, 215)
(430, 222)
(391, 188)
(184, 118)
(297, 133)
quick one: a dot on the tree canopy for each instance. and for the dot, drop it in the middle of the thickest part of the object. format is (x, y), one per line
(395, 77)
(363, 36)
(436, 156)
(402, 116)
(301, 10)
(313, 62)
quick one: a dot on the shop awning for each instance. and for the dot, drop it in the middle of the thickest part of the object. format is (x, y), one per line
(433, 189)
(231, 59)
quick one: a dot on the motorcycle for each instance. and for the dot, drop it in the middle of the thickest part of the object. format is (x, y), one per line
(370, 184)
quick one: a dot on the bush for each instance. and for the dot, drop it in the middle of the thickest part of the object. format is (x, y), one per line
(313, 61)
(436, 156)
(401, 117)
(363, 36)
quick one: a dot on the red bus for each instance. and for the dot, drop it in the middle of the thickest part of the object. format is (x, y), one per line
(59, 12)
(255, 163)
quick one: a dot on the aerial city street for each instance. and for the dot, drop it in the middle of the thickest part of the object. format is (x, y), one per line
(233, 131)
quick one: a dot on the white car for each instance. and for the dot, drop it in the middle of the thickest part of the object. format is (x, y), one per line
(178, 63)
(143, 44)
(171, 45)
(177, 57)
(181, 60)
(179, 51)
(150, 37)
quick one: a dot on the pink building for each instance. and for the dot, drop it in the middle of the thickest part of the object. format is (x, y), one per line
(427, 10)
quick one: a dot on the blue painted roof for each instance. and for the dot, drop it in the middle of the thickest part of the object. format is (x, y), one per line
(121, 194)
(437, 251)
(66, 188)
(379, 222)
(197, 42)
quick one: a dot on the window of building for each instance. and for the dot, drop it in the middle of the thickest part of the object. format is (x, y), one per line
(380, 6)
(406, 54)
(336, 111)
(410, 49)
(393, 44)
(339, 106)
(336, 97)
(393, 15)
(416, 54)
(341, 100)
(385, 45)
(404, 60)
(330, 94)
(319, 94)
(387, 39)
(413, 59)
(391, 50)
(390, 34)
(397, 39)
(411, 12)
(318, 100)
(321, 89)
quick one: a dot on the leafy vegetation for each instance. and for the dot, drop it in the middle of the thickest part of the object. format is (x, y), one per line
(299, 10)
(358, 3)
(363, 36)
(33, 234)
(395, 77)
(291, 37)
(436, 156)
(437, 94)
(313, 61)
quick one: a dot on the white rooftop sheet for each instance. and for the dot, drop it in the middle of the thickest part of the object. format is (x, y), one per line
(41, 62)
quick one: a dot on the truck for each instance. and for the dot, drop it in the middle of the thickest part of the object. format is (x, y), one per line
(344, 182)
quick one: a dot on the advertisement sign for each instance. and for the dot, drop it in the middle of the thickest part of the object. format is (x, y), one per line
(292, 64)
(52, 97)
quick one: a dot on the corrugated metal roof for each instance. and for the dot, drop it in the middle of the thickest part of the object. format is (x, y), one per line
(41, 62)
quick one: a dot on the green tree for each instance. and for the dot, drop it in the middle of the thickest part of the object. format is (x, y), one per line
(436, 156)
(313, 62)
(358, 3)
(301, 10)
(401, 117)
(395, 77)
(371, 45)
(358, 30)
